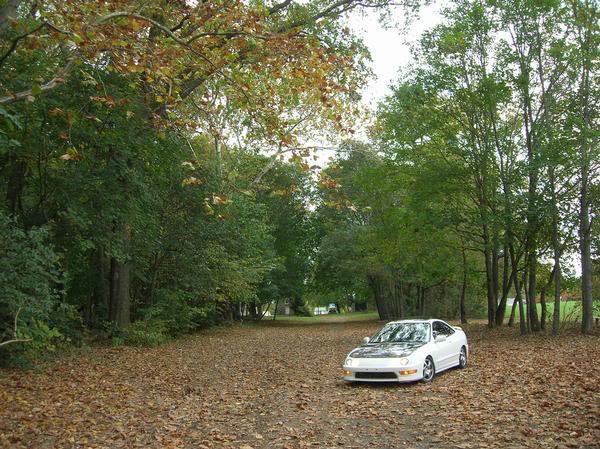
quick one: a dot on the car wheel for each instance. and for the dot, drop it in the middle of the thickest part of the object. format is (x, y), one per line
(463, 358)
(428, 370)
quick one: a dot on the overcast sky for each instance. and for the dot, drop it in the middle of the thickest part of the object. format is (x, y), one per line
(389, 47)
(390, 52)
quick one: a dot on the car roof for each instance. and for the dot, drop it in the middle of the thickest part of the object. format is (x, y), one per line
(430, 320)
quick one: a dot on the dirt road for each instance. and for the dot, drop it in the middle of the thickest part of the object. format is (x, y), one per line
(278, 386)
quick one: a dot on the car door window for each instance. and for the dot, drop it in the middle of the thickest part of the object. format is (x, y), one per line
(442, 329)
(445, 329)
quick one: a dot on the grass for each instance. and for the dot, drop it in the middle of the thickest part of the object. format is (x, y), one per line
(569, 310)
(328, 318)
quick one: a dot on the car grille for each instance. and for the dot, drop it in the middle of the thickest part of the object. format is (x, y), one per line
(375, 375)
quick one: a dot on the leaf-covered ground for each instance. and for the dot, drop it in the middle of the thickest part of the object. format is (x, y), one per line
(278, 386)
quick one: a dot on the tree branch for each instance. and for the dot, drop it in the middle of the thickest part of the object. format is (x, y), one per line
(279, 6)
(16, 40)
(16, 338)
(54, 82)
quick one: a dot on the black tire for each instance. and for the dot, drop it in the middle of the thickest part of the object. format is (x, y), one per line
(428, 370)
(463, 358)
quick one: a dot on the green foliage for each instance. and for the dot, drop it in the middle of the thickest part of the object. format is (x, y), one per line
(29, 283)
(178, 316)
(126, 154)
(384, 236)
(200, 250)
(482, 151)
(149, 332)
(131, 201)
(171, 316)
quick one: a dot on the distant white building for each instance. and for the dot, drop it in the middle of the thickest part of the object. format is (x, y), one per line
(511, 301)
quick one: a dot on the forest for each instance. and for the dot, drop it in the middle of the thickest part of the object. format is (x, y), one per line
(162, 168)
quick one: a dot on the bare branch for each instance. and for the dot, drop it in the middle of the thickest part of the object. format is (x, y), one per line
(54, 82)
(16, 338)
(279, 6)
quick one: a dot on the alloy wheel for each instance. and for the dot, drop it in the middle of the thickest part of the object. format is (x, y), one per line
(462, 359)
(428, 370)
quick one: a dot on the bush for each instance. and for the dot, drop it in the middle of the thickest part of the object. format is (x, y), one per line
(170, 317)
(299, 307)
(29, 277)
(66, 319)
(174, 309)
(152, 332)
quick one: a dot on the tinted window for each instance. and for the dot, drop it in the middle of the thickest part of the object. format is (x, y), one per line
(442, 328)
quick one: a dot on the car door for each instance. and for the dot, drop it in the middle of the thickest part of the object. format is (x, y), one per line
(453, 341)
(442, 351)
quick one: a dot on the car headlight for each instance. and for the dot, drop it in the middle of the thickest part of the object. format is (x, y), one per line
(403, 361)
(348, 362)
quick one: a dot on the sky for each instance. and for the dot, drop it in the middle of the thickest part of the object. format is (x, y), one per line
(389, 46)
(390, 52)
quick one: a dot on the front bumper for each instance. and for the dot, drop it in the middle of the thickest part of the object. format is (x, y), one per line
(375, 367)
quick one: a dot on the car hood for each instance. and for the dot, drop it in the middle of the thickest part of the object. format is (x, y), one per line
(383, 350)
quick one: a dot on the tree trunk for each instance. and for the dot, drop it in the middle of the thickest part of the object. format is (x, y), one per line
(254, 310)
(543, 297)
(491, 300)
(100, 295)
(526, 316)
(544, 309)
(119, 292)
(518, 297)
(378, 287)
(398, 298)
(532, 199)
(15, 184)
(585, 244)
(531, 289)
(463, 290)
(507, 281)
(495, 272)
(522, 324)
(420, 301)
(585, 229)
(513, 309)
(236, 312)
(556, 314)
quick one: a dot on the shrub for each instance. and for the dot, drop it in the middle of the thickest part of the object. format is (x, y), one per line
(152, 332)
(175, 310)
(29, 277)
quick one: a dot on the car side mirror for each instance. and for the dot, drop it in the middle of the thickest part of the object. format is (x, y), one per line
(366, 340)
(440, 338)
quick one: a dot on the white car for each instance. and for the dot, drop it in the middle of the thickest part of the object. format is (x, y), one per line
(407, 351)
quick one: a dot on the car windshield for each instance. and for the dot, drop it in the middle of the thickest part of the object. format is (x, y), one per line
(402, 332)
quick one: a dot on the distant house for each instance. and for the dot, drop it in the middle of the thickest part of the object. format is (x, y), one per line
(284, 308)
(320, 311)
